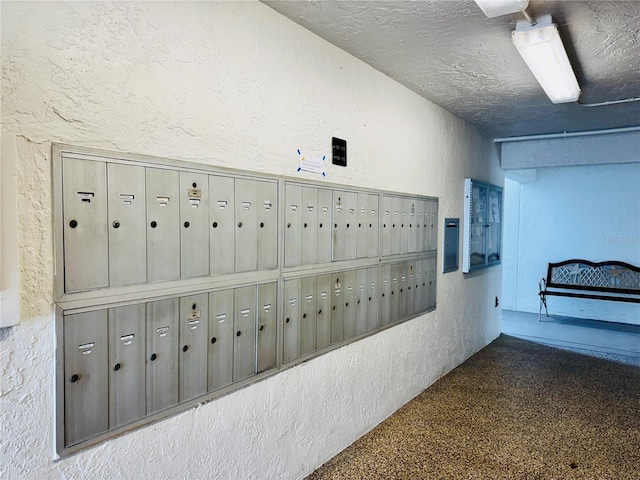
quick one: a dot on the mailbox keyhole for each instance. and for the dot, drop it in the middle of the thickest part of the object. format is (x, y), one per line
(73, 223)
(116, 367)
(213, 339)
(239, 224)
(304, 315)
(215, 225)
(186, 224)
(320, 225)
(261, 327)
(153, 357)
(116, 224)
(320, 312)
(287, 320)
(305, 225)
(194, 184)
(154, 224)
(193, 307)
(261, 224)
(185, 348)
(74, 378)
(239, 333)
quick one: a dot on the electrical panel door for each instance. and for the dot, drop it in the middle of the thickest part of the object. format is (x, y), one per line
(323, 306)
(194, 224)
(86, 244)
(85, 375)
(291, 320)
(244, 346)
(267, 327)
(309, 217)
(194, 323)
(325, 199)
(127, 396)
(127, 224)
(162, 354)
(267, 225)
(293, 226)
(221, 224)
(220, 358)
(163, 225)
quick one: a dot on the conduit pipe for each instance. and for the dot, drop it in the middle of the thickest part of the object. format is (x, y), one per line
(566, 135)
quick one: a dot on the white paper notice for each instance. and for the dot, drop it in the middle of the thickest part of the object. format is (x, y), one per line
(312, 164)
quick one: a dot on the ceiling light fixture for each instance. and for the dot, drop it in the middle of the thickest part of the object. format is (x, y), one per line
(542, 50)
(496, 8)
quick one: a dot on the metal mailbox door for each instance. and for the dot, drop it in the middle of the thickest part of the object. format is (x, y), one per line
(194, 224)
(339, 224)
(127, 395)
(293, 225)
(387, 215)
(434, 225)
(86, 244)
(220, 358)
(426, 232)
(246, 225)
(362, 304)
(412, 216)
(162, 354)
(373, 298)
(309, 226)
(419, 225)
(163, 225)
(411, 289)
(432, 282)
(267, 326)
(350, 294)
(385, 295)
(85, 376)
(404, 225)
(267, 225)
(394, 307)
(403, 294)
(194, 325)
(291, 319)
(244, 340)
(424, 266)
(323, 309)
(373, 226)
(308, 326)
(396, 219)
(337, 307)
(221, 224)
(325, 200)
(127, 224)
(362, 230)
(418, 281)
(351, 227)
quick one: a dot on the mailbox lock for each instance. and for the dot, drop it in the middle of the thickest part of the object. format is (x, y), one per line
(287, 320)
(304, 315)
(384, 226)
(358, 302)
(320, 225)
(153, 357)
(359, 225)
(346, 304)
(261, 224)
(186, 224)
(383, 294)
(347, 225)
(154, 224)
(239, 224)
(335, 225)
(239, 333)
(369, 298)
(261, 327)
(213, 339)
(369, 225)
(73, 224)
(116, 367)
(193, 307)
(215, 225)
(320, 312)
(116, 224)
(288, 225)
(74, 378)
(185, 348)
(334, 307)
(194, 184)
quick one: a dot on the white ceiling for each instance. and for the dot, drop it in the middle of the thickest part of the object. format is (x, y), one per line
(450, 53)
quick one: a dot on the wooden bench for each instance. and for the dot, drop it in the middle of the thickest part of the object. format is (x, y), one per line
(612, 280)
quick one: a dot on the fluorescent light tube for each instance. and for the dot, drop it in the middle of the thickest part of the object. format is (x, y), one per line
(542, 50)
(496, 8)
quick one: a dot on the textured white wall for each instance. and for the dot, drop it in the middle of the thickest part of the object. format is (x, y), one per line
(231, 84)
(590, 212)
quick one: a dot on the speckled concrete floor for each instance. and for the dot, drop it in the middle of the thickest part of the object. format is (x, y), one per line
(515, 410)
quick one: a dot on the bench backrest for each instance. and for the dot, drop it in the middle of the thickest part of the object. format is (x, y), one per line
(611, 276)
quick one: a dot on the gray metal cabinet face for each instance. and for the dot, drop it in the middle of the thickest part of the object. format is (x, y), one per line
(309, 212)
(411, 289)
(426, 239)
(337, 307)
(246, 225)
(372, 226)
(220, 356)
(412, 216)
(127, 395)
(419, 225)
(387, 215)
(325, 200)
(86, 245)
(267, 331)
(417, 282)
(221, 224)
(244, 346)
(323, 309)
(127, 224)
(339, 224)
(162, 354)
(362, 230)
(351, 227)
(373, 298)
(267, 225)
(404, 225)
(194, 224)
(292, 290)
(350, 303)
(163, 225)
(194, 325)
(308, 291)
(362, 304)
(403, 294)
(434, 225)
(424, 268)
(394, 282)
(385, 295)
(293, 213)
(432, 282)
(396, 219)
(85, 375)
